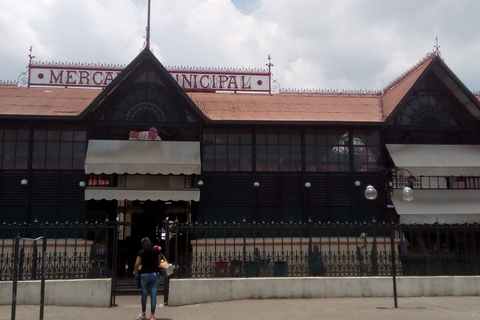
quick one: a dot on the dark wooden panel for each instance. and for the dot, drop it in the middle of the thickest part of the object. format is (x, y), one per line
(226, 188)
(11, 190)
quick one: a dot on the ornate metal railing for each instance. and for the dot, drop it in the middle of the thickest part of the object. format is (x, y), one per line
(253, 250)
(73, 250)
(87, 250)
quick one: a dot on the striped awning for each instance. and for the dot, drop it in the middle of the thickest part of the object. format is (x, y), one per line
(143, 157)
(98, 193)
(437, 160)
(442, 206)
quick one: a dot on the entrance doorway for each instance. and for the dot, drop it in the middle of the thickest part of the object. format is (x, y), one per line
(139, 219)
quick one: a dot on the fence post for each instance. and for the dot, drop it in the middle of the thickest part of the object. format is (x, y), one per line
(394, 267)
(374, 251)
(114, 264)
(310, 248)
(42, 285)
(34, 261)
(244, 223)
(167, 256)
(15, 276)
(107, 245)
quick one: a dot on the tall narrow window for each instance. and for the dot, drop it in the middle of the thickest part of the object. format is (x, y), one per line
(278, 150)
(327, 150)
(227, 149)
(15, 147)
(366, 150)
(59, 148)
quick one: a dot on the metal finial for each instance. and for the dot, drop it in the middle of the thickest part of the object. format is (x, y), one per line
(26, 75)
(30, 55)
(269, 65)
(147, 38)
(437, 47)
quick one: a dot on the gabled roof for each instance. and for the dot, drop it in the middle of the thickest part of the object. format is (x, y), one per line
(45, 102)
(289, 107)
(401, 88)
(124, 77)
(451, 81)
(241, 107)
(398, 89)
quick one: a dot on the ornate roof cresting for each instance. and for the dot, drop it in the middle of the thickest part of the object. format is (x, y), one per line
(169, 68)
(78, 65)
(335, 92)
(414, 68)
(8, 83)
(217, 69)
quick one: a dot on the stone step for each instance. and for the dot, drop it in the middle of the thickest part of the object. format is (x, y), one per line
(129, 287)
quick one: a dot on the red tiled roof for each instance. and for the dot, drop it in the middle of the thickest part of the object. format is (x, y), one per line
(216, 106)
(45, 101)
(395, 92)
(314, 107)
(288, 107)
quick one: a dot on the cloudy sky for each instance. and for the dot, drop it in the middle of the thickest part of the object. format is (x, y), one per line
(314, 44)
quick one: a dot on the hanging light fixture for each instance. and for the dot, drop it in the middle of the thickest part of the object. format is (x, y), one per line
(371, 193)
(407, 194)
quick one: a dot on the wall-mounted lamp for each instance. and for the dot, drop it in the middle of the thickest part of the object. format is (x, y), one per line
(371, 193)
(308, 184)
(407, 194)
(256, 184)
(24, 182)
(358, 183)
(82, 184)
(200, 183)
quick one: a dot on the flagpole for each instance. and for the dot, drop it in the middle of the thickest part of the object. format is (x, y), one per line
(147, 41)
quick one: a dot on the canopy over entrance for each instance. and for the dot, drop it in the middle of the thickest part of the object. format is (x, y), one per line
(437, 160)
(442, 206)
(143, 157)
(142, 194)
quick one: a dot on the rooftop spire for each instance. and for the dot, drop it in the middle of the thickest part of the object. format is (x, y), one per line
(437, 47)
(147, 38)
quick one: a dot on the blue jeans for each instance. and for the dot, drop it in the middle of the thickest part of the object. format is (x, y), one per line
(149, 283)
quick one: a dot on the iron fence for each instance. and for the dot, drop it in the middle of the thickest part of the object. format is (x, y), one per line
(73, 250)
(88, 250)
(316, 249)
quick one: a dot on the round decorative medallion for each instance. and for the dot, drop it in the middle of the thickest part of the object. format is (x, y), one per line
(426, 109)
(145, 111)
(431, 115)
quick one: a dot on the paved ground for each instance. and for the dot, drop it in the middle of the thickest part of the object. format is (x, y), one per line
(436, 308)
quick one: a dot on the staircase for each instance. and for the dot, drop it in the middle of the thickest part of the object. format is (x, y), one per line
(128, 287)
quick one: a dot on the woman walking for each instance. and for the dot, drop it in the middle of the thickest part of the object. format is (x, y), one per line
(149, 258)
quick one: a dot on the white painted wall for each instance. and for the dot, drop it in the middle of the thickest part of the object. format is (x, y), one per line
(82, 292)
(97, 292)
(191, 291)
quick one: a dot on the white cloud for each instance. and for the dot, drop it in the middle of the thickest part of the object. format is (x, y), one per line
(344, 44)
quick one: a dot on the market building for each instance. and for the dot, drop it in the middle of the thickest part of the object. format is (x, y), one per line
(155, 144)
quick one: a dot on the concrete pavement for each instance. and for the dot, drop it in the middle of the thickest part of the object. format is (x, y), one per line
(422, 308)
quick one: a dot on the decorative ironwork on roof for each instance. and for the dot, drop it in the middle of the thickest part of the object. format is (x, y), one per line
(77, 65)
(414, 68)
(8, 83)
(331, 92)
(217, 70)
